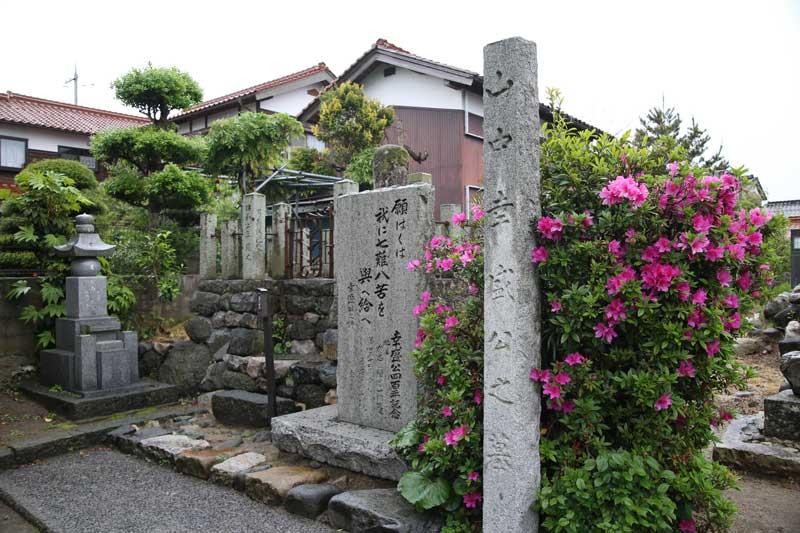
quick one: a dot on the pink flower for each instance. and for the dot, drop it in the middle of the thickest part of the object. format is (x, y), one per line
(477, 212)
(445, 264)
(540, 375)
(452, 437)
(672, 167)
(441, 380)
(471, 499)
(555, 306)
(758, 217)
(605, 332)
(567, 406)
(630, 234)
(473, 289)
(624, 188)
(414, 263)
(731, 300)
(687, 526)
(421, 447)
(574, 358)
(712, 348)
(702, 223)
(699, 297)
(450, 322)
(616, 311)
(663, 402)
(562, 378)
(663, 245)
(684, 291)
(539, 254)
(659, 276)
(696, 318)
(744, 282)
(724, 278)
(588, 220)
(425, 297)
(686, 369)
(420, 338)
(551, 390)
(615, 248)
(473, 476)
(459, 218)
(736, 251)
(699, 244)
(477, 396)
(734, 322)
(447, 411)
(550, 228)
(725, 415)
(715, 253)
(419, 309)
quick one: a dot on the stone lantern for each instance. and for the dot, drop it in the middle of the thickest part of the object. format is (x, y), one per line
(92, 352)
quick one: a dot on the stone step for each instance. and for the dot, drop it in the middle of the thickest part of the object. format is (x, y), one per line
(229, 471)
(168, 447)
(271, 486)
(199, 463)
(310, 500)
(109, 346)
(360, 511)
(242, 408)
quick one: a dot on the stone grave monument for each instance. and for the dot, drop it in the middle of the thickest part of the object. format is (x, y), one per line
(94, 367)
(769, 442)
(376, 234)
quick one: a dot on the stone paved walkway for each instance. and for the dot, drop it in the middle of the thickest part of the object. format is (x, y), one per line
(103, 490)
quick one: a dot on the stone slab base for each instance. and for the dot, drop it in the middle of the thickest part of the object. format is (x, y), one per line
(76, 406)
(743, 445)
(318, 434)
(782, 416)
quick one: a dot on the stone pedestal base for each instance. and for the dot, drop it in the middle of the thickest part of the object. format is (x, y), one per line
(745, 446)
(76, 406)
(318, 434)
(782, 416)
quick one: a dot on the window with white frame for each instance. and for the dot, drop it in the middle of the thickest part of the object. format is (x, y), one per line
(13, 152)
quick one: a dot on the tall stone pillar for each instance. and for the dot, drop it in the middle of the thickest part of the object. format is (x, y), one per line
(511, 469)
(208, 246)
(281, 215)
(254, 236)
(229, 249)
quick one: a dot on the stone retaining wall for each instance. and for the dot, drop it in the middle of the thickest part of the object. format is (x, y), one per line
(227, 340)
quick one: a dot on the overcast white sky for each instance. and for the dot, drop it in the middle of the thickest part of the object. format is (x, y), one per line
(733, 65)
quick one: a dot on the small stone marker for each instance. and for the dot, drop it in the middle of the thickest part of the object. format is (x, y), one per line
(208, 246)
(254, 236)
(512, 407)
(377, 233)
(229, 249)
(281, 215)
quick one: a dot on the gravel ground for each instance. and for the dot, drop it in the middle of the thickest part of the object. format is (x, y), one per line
(766, 505)
(102, 490)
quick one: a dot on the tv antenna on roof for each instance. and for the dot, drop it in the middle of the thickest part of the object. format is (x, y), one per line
(74, 80)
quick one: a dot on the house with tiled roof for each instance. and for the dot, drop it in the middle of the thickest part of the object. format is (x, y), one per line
(438, 113)
(35, 128)
(791, 210)
(287, 94)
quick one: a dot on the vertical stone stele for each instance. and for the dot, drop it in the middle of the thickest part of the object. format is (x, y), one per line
(254, 236)
(511, 466)
(208, 246)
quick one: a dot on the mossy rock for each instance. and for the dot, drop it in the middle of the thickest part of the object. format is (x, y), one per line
(390, 166)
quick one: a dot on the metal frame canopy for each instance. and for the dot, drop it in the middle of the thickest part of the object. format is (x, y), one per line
(297, 179)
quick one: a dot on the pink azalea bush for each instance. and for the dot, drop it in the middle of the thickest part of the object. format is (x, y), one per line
(648, 267)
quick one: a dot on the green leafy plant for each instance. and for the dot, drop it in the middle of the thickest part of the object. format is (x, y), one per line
(81, 175)
(155, 92)
(360, 167)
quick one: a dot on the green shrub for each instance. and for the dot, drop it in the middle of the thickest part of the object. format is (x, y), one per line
(82, 176)
(18, 260)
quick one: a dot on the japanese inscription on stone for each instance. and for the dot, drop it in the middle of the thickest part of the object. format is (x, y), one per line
(377, 233)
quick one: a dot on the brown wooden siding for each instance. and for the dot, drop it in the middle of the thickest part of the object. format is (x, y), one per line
(440, 132)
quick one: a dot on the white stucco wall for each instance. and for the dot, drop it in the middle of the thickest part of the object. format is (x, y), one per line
(474, 103)
(410, 89)
(43, 139)
(291, 102)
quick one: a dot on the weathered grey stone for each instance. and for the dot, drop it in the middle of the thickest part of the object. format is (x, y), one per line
(249, 320)
(169, 446)
(782, 414)
(185, 365)
(237, 407)
(512, 309)
(789, 344)
(329, 342)
(208, 246)
(271, 486)
(793, 329)
(246, 341)
(143, 347)
(306, 372)
(319, 435)
(311, 318)
(218, 320)
(390, 166)
(740, 447)
(229, 248)
(254, 236)
(218, 343)
(149, 362)
(128, 440)
(162, 347)
(86, 297)
(298, 304)
(790, 368)
(235, 362)
(749, 345)
(331, 397)
(789, 314)
(310, 396)
(282, 368)
(771, 334)
(378, 510)
(205, 303)
(303, 349)
(238, 381)
(301, 330)
(327, 374)
(376, 329)
(245, 302)
(776, 305)
(310, 500)
(217, 286)
(225, 472)
(213, 378)
(255, 366)
(198, 328)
